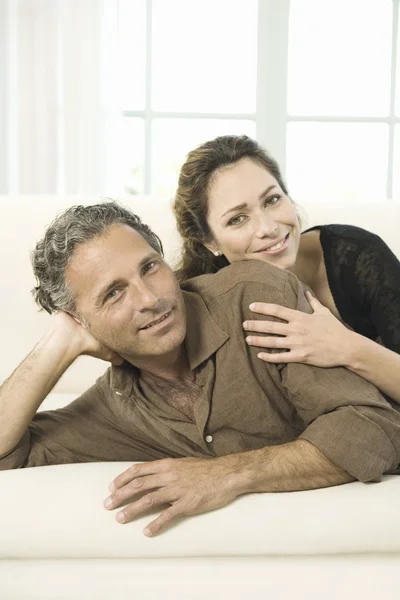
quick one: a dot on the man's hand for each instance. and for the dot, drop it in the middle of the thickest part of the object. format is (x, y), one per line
(70, 328)
(188, 485)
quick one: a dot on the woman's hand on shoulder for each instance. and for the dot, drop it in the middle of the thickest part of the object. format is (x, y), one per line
(318, 339)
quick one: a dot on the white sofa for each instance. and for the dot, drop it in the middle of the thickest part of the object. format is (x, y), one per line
(58, 542)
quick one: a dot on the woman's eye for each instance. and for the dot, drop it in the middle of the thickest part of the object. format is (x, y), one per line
(271, 200)
(149, 266)
(236, 220)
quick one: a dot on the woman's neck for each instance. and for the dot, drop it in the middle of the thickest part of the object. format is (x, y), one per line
(309, 257)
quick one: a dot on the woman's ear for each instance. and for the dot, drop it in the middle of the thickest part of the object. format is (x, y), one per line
(212, 247)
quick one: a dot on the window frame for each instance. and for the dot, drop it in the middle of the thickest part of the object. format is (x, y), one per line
(271, 116)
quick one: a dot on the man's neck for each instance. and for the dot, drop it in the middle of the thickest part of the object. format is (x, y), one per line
(168, 367)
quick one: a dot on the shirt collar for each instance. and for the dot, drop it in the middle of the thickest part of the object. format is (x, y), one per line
(203, 338)
(203, 335)
(122, 378)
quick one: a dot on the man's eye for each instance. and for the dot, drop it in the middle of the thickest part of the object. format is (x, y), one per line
(111, 294)
(236, 220)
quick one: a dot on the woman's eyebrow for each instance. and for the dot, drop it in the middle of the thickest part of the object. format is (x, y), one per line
(234, 208)
(244, 204)
(267, 191)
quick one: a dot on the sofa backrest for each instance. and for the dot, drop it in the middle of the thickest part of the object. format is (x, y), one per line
(23, 220)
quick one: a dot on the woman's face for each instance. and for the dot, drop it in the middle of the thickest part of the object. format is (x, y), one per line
(250, 217)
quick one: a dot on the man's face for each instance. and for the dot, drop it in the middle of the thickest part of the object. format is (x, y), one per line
(128, 295)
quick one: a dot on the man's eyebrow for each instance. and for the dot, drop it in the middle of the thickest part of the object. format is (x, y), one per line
(107, 288)
(244, 204)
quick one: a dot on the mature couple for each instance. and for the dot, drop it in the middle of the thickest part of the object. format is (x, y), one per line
(189, 392)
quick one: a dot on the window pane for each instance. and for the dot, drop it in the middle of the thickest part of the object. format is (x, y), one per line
(174, 138)
(339, 57)
(204, 55)
(397, 106)
(132, 53)
(396, 166)
(131, 155)
(337, 161)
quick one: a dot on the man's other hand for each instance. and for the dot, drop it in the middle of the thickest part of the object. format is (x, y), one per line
(188, 485)
(71, 329)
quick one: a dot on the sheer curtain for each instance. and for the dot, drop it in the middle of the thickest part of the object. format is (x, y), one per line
(59, 113)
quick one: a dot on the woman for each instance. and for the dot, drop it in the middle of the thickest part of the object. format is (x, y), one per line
(232, 204)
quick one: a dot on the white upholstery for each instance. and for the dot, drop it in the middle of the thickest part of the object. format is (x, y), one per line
(57, 540)
(263, 529)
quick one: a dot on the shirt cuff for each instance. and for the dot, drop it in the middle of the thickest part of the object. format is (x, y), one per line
(16, 457)
(353, 442)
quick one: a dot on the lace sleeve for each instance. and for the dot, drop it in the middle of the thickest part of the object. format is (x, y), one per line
(377, 287)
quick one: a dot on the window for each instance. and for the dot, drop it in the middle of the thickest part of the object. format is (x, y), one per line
(314, 82)
(188, 74)
(341, 99)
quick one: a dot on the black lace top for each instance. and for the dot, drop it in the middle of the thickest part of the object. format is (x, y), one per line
(364, 279)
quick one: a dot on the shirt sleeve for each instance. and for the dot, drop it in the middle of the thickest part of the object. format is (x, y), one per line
(84, 431)
(376, 289)
(344, 415)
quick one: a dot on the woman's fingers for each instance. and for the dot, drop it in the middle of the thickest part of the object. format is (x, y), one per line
(272, 327)
(273, 310)
(315, 304)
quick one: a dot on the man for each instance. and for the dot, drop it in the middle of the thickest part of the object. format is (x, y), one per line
(185, 393)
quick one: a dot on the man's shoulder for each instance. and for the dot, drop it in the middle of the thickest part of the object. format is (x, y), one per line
(249, 274)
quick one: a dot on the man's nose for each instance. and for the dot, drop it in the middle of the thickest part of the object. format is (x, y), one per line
(145, 298)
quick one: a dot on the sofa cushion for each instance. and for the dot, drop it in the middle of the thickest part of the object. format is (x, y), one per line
(57, 512)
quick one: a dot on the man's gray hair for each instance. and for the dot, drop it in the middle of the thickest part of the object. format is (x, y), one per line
(75, 226)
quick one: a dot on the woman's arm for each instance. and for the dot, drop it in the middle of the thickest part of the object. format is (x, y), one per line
(322, 340)
(376, 364)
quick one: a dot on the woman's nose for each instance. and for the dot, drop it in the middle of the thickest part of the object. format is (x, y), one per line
(266, 227)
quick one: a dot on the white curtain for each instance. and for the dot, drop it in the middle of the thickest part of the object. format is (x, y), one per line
(59, 113)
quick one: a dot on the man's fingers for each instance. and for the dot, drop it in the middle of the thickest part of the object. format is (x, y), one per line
(134, 471)
(273, 310)
(148, 502)
(128, 491)
(266, 327)
(168, 515)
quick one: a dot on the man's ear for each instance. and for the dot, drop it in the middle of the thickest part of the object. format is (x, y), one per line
(78, 320)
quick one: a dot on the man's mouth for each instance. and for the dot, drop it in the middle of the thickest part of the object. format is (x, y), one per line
(157, 321)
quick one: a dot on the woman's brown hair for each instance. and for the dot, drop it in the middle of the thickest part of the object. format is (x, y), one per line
(191, 199)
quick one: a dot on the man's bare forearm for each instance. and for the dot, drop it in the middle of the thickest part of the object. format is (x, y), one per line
(289, 467)
(24, 391)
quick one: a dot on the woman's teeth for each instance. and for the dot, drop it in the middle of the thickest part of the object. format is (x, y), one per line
(278, 245)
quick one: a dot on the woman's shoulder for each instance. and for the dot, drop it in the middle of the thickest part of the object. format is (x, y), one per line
(337, 237)
(341, 230)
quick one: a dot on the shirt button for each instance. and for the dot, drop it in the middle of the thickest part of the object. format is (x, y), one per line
(209, 438)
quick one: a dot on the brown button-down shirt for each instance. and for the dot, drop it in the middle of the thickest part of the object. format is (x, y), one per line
(243, 403)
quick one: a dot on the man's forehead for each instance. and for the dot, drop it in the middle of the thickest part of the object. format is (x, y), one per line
(96, 263)
(115, 240)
